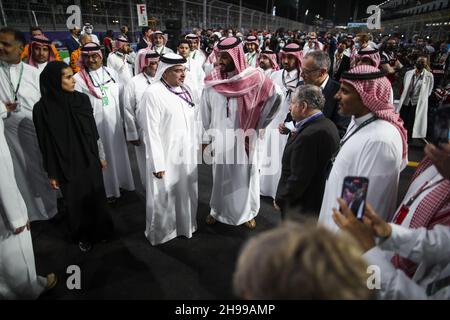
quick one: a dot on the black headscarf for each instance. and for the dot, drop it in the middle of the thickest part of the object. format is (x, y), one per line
(62, 120)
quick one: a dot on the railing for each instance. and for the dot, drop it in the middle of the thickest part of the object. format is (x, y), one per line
(111, 14)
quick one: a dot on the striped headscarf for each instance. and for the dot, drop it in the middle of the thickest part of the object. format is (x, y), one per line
(375, 89)
(293, 49)
(87, 50)
(40, 40)
(249, 86)
(269, 54)
(143, 59)
(434, 209)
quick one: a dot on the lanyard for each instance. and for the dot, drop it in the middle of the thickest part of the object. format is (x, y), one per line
(343, 141)
(404, 209)
(147, 78)
(185, 95)
(101, 84)
(285, 84)
(414, 84)
(250, 58)
(8, 75)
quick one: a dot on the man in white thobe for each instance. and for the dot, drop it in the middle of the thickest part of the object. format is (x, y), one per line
(18, 278)
(267, 60)
(428, 248)
(374, 145)
(100, 84)
(170, 129)
(237, 102)
(252, 46)
(19, 85)
(146, 66)
(196, 53)
(194, 72)
(272, 143)
(159, 41)
(121, 62)
(40, 53)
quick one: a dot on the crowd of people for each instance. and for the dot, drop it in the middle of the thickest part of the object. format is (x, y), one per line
(285, 115)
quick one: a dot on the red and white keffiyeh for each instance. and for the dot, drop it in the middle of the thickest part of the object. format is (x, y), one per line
(249, 86)
(120, 42)
(269, 54)
(432, 210)
(369, 53)
(40, 40)
(87, 50)
(293, 49)
(143, 59)
(375, 95)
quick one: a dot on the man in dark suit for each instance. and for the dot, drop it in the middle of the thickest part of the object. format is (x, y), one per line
(73, 43)
(315, 66)
(306, 155)
(341, 61)
(315, 71)
(145, 41)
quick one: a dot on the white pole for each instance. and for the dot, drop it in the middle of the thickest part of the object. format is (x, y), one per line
(3, 14)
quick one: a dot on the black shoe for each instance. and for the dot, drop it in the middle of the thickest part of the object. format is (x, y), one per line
(111, 200)
(85, 246)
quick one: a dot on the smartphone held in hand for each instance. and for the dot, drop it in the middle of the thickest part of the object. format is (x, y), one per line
(354, 192)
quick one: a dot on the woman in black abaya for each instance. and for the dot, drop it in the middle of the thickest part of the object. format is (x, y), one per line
(70, 145)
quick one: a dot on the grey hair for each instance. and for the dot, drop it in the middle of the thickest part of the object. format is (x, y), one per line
(321, 59)
(311, 94)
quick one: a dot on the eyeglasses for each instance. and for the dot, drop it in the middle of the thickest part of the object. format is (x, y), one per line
(305, 71)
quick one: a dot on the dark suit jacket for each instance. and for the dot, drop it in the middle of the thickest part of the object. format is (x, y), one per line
(344, 66)
(330, 109)
(304, 167)
(142, 44)
(71, 44)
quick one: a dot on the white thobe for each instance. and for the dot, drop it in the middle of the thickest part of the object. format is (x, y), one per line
(162, 50)
(18, 279)
(109, 125)
(198, 56)
(272, 143)
(120, 64)
(133, 130)
(374, 152)
(20, 134)
(41, 67)
(251, 59)
(195, 77)
(316, 46)
(235, 194)
(430, 249)
(170, 130)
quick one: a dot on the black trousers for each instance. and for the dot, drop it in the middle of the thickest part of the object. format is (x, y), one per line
(408, 115)
(85, 200)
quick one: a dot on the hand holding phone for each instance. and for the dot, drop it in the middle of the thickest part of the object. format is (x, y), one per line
(354, 192)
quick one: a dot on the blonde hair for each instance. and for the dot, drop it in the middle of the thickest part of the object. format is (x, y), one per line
(363, 37)
(301, 261)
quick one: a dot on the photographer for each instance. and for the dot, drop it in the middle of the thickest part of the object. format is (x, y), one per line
(389, 60)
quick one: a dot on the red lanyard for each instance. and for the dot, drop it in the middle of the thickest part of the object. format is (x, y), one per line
(404, 209)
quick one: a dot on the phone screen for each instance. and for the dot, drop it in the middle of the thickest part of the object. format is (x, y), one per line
(354, 192)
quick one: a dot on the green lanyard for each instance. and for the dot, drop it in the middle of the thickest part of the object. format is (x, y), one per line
(251, 58)
(8, 75)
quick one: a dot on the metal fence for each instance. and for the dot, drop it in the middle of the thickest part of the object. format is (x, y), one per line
(111, 14)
